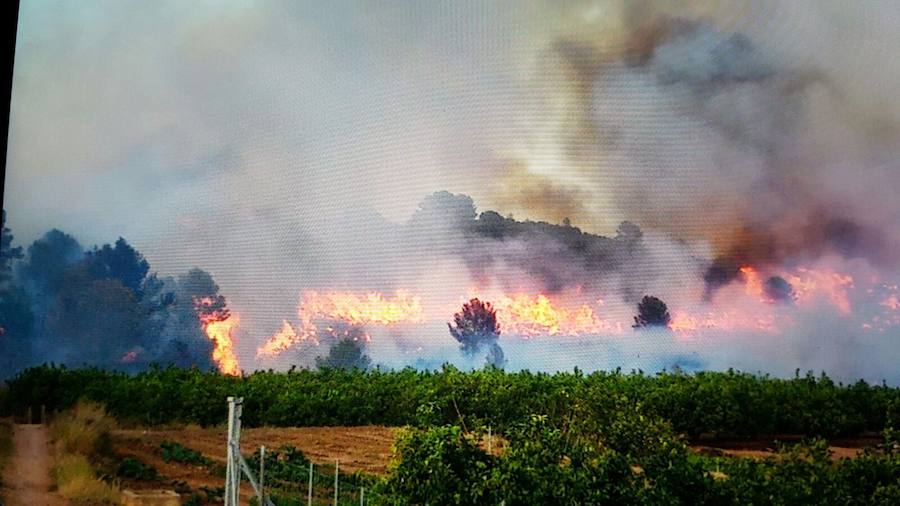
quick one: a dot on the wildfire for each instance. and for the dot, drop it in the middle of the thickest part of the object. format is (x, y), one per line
(327, 315)
(323, 310)
(752, 283)
(529, 316)
(809, 283)
(892, 302)
(219, 332)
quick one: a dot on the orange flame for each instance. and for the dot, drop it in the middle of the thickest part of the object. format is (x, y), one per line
(527, 315)
(369, 309)
(752, 282)
(892, 302)
(219, 332)
(809, 283)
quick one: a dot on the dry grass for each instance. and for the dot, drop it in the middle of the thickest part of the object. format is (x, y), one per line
(75, 480)
(82, 433)
(83, 430)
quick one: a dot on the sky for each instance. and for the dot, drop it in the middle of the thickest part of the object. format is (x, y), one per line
(277, 144)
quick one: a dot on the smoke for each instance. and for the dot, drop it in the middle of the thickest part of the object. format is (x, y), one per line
(727, 139)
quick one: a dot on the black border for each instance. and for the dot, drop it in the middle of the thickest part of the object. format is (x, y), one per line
(10, 14)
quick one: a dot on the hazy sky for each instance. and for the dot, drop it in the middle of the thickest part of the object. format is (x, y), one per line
(270, 142)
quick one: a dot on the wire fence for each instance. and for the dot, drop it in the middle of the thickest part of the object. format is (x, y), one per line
(325, 484)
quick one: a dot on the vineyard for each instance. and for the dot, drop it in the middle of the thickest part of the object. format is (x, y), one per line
(565, 438)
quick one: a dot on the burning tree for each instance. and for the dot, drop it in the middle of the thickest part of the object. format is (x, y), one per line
(652, 312)
(477, 325)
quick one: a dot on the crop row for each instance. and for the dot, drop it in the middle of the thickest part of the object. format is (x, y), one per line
(721, 403)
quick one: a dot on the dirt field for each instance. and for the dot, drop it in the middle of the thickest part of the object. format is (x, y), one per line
(366, 449)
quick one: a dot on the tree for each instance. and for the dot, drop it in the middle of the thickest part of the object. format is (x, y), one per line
(495, 357)
(652, 312)
(630, 235)
(779, 290)
(474, 326)
(7, 252)
(121, 262)
(196, 300)
(48, 260)
(346, 353)
(16, 316)
(96, 322)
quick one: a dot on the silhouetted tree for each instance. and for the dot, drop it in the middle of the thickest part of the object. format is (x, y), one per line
(8, 253)
(120, 262)
(652, 312)
(48, 260)
(474, 326)
(631, 236)
(778, 289)
(346, 353)
(16, 316)
(96, 321)
(495, 357)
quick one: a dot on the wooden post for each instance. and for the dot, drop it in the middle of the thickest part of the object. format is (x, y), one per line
(43, 414)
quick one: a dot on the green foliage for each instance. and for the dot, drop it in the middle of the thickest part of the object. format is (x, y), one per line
(133, 468)
(286, 464)
(439, 466)
(720, 403)
(173, 451)
(346, 353)
(547, 464)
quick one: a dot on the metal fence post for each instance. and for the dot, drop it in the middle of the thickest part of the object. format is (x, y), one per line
(262, 475)
(229, 457)
(309, 491)
(337, 463)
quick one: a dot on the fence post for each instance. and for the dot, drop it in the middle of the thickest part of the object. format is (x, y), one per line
(490, 439)
(229, 456)
(337, 463)
(362, 496)
(43, 414)
(309, 491)
(29, 420)
(262, 475)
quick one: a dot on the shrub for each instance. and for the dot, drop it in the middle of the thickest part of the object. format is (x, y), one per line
(75, 480)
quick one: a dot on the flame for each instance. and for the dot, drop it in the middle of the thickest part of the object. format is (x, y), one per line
(743, 307)
(809, 284)
(529, 316)
(322, 310)
(219, 332)
(892, 302)
(752, 283)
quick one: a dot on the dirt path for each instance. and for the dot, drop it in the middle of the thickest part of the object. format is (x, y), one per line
(27, 476)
